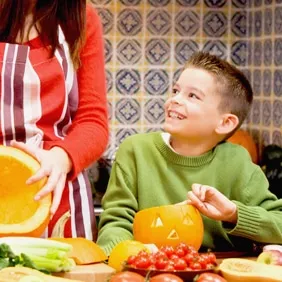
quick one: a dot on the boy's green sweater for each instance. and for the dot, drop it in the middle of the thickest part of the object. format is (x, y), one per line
(147, 172)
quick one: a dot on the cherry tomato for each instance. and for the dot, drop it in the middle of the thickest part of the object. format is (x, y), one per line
(127, 276)
(166, 278)
(179, 264)
(210, 277)
(180, 252)
(212, 258)
(168, 250)
(131, 260)
(161, 263)
(189, 258)
(160, 254)
(184, 247)
(142, 262)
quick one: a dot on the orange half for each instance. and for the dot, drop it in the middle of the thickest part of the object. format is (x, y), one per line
(20, 215)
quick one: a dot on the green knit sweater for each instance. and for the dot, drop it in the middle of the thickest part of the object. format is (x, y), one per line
(147, 172)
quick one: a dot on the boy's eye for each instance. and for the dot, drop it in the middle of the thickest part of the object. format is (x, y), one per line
(193, 96)
(175, 91)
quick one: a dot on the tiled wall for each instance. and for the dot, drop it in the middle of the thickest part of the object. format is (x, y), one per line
(148, 41)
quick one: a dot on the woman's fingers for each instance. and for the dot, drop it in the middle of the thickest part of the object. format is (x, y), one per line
(22, 146)
(58, 192)
(194, 200)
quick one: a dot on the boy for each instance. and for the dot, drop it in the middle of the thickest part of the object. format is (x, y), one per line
(210, 101)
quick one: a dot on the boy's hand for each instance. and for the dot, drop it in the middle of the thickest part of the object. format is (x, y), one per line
(211, 203)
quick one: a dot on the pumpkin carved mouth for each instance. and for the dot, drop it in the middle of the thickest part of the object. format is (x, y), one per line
(20, 214)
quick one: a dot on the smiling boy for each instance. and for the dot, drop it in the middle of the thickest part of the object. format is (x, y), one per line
(191, 161)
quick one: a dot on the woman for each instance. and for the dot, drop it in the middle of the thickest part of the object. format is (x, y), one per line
(53, 101)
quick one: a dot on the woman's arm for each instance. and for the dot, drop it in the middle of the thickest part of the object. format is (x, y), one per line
(87, 137)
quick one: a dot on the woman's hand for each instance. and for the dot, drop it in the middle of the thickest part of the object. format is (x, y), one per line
(55, 164)
(211, 203)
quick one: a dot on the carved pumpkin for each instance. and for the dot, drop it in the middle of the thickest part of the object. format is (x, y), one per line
(243, 138)
(169, 225)
(20, 215)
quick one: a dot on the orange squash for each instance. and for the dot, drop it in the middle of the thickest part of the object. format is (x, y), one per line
(243, 138)
(20, 215)
(83, 251)
(169, 225)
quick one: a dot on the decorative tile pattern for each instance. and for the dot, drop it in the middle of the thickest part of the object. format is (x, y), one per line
(148, 42)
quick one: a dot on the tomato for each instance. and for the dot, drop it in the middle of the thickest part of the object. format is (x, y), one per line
(168, 250)
(210, 277)
(166, 278)
(179, 264)
(161, 263)
(127, 276)
(142, 262)
(131, 260)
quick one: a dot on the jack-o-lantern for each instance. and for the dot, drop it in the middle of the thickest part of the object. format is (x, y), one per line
(169, 225)
(243, 138)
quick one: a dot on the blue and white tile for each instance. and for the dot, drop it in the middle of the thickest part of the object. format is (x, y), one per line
(266, 113)
(108, 50)
(256, 112)
(129, 51)
(267, 52)
(257, 52)
(130, 2)
(277, 113)
(187, 23)
(267, 82)
(278, 20)
(215, 3)
(215, 23)
(107, 19)
(257, 82)
(240, 3)
(157, 51)
(268, 21)
(123, 133)
(127, 111)
(184, 49)
(258, 23)
(158, 22)
(240, 52)
(154, 110)
(187, 3)
(277, 138)
(130, 22)
(239, 23)
(216, 47)
(128, 81)
(158, 3)
(277, 83)
(156, 82)
(278, 52)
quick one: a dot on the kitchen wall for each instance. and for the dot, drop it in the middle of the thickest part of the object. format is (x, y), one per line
(148, 41)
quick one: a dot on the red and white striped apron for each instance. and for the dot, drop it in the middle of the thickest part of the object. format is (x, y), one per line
(38, 100)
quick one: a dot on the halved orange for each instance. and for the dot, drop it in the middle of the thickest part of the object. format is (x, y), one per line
(20, 214)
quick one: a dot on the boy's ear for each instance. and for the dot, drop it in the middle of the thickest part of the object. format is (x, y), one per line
(227, 124)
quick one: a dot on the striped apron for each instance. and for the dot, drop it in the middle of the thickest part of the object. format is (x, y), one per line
(38, 101)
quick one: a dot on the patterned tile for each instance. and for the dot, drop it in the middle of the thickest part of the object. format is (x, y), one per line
(129, 22)
(156, 82)
(108, 50)
(129, 51)
(127, 111)
(154, 110)
(240, 3)
(215, 23)
(278, 83)
(157, 51)
(257, 81)
(278, 20)
(240, 52)
(123, 133)
(107, 19)
(158, 22)
(216, 47)
(158, 3)
(258, 23)
(277, 138)
(130, 2)
(128, 81)
(215, 3)
(267, 52)
(187, 3)
(257, 53)
(267, 82)
(109, 79)
(239, 23)
(268, 21)
(266, 113)
(277, 113)
(184, 49)
(278, 52)
(187, 23)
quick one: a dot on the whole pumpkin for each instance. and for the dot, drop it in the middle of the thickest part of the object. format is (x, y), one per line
(169, 225)
(20, 215)
(243, 138)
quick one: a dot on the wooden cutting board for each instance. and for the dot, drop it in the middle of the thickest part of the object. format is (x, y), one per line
(98, 272)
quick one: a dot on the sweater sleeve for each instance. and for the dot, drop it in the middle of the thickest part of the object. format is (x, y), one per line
(260, 216)
(87, 137)
(119, 202)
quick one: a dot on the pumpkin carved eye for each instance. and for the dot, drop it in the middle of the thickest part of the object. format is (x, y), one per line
(169, 225)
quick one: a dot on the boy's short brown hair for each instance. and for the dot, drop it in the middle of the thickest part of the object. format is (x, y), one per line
(235, 90)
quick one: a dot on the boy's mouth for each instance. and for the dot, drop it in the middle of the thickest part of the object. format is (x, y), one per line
(176, 115)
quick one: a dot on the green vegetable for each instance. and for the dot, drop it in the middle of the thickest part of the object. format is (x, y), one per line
(41, 254)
